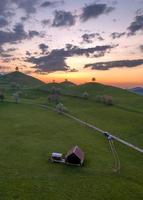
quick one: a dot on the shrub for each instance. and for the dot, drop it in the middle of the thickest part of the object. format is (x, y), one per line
(107, 100)
(85, 95)
(61, 108)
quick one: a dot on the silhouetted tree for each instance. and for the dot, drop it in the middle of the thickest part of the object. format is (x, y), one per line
(16, 69)
(93, 79)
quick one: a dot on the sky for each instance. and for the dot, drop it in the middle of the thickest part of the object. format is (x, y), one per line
(76, 40)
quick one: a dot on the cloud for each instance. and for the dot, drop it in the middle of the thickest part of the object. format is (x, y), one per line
(45, 22)
(63, 18)
(28, 53)
(43, 47)
(56, 59)
(51, 3)
(3, 22)
(136, 25)
(49, 63)
(94, 11)
(29, 6)
(141, 48)
(16, 35)
(115, 35)
(89, 38)
(114, 64)
(34, 33)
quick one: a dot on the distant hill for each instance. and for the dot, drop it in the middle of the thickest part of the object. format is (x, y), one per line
(137, 90)
(63, 86)
(67, 83)
(19, 78)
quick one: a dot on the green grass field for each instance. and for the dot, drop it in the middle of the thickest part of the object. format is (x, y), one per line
(29, 134)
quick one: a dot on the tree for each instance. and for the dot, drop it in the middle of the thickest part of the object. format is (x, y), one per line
(16, 97)
(85, 95)
(61, 108)
(93, 79)
(17, 69)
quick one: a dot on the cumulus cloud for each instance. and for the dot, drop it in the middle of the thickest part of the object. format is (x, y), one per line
(29, 6)
(16, 35)
(136, 25)
(45, 22)
(63, 18)
(89, 38)
(115, 35)
(43, 47)
(51, 3)
(56, 59)
(95, 10)
(3, 22)
(114, 64)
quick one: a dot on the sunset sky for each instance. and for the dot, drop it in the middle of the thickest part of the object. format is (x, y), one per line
(74, 40)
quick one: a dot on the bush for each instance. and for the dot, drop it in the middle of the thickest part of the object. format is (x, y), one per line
(85, 95)
(107, 100)
(61, 108)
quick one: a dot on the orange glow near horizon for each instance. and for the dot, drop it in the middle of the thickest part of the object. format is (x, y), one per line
(121, 77)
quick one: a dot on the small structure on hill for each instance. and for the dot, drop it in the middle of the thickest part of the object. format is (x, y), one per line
(75, 156)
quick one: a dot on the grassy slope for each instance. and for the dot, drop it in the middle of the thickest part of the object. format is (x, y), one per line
(19, 78)
(122, 98)
(28, 135)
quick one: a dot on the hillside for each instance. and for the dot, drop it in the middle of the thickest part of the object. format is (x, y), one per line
(19, 78)
(122, 98)
(26, 145)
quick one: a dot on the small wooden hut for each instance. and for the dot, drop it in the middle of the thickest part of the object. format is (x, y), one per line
(75, 156)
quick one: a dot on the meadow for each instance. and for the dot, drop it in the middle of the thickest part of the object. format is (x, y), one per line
(29, 134)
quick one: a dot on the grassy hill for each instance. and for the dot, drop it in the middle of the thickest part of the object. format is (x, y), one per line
(19, 78)
(29, 136)
(122, 98)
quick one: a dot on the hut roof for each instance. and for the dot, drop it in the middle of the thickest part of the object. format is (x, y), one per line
(77, 151)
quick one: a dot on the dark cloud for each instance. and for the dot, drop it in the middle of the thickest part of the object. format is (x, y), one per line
(3, 22)
(43, 47)
(63, 18)
(28, 53)
(51, 3)
(49, 63)
(141, 48)
(16, 35)
(3, 7)
(94, 11)
(89, 38)
(5, 53)
(34, 33)
(29, 6)
(45, 22)
(136, 25)
(55, 60)
(115, 35)
(114, 64)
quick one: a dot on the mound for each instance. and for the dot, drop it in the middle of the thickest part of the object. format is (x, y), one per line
(20, 78)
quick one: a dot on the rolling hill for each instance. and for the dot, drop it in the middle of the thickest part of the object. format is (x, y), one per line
(19, 78)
